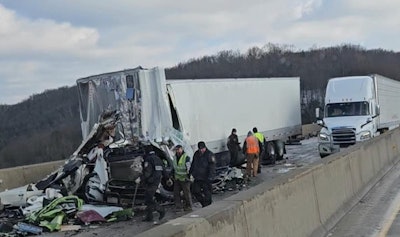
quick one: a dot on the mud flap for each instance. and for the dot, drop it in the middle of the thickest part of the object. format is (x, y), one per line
(327, 149)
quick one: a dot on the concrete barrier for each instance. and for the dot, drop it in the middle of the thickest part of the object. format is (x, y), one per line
(22, 175)
(305, 202)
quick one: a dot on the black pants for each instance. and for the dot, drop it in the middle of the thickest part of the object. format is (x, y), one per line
(202, 191)
(151, 204)
(234, 157)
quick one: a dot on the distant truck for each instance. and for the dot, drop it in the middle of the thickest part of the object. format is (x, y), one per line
(187, 111)
(356, 109)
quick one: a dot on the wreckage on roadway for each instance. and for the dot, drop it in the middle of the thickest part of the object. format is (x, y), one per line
(122, 112)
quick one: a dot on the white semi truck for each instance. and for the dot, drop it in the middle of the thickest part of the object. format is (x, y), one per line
(356, 109)
(191, 110)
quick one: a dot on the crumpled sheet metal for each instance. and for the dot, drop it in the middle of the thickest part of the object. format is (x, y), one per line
(138, 94)
(18, 196)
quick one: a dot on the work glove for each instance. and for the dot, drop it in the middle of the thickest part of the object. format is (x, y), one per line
(137, 181)
(169, 182)
(191, 178)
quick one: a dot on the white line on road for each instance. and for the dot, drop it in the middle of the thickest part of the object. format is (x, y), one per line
(390, 216)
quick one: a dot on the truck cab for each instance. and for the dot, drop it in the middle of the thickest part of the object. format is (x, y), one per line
(349, 115)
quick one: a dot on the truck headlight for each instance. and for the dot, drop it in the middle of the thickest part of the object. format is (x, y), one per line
(365, 135)
(324, 137)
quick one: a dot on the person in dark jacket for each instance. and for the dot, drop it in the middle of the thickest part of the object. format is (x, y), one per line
(203, 172)
(233, 147)
(151, 178)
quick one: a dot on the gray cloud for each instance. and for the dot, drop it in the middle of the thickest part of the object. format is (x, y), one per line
(48, 47)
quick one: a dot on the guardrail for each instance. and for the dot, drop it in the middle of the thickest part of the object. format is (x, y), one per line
(22, 175)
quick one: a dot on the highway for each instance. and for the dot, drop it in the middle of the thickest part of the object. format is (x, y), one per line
(377, 213)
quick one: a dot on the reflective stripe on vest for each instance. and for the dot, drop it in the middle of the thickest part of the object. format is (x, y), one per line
(259, 136)
(180, 169)
(252, 145)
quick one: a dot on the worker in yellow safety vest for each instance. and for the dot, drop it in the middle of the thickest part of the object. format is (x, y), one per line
(182, 182)
(261, 144)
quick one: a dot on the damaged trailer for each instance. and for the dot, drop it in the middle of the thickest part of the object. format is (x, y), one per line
(186, 111)
(165, 113)
(122, 112)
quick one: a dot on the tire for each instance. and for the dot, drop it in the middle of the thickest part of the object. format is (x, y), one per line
(270, 154)
(165, 186)
(280, 149)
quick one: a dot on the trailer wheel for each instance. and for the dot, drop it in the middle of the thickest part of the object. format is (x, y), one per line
(280, 149)
(270, 153)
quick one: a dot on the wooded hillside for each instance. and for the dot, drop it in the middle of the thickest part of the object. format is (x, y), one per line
(46, 126)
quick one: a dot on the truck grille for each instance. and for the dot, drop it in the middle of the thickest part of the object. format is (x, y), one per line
(343, 136)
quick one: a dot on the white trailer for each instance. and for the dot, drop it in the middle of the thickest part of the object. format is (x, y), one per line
(388, 98)
(208, 109)
(357, 108)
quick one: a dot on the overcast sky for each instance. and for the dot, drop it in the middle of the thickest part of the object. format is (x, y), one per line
(47, 44)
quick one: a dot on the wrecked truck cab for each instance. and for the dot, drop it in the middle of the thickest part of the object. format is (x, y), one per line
(140, 98)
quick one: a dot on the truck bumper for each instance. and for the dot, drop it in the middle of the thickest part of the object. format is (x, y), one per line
(326, 149)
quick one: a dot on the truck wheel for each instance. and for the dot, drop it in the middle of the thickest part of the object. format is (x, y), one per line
(280, 149)
(165, 186)
(270, 153)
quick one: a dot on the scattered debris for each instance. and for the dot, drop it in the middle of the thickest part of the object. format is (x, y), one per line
(90, 216)
(228, 179)
(93, 186)
(24, 228)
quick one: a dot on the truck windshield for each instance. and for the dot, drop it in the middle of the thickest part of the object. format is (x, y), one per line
(347, 109)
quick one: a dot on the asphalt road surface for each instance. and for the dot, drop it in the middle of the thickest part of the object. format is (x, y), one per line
(377, 213)
(303, 154)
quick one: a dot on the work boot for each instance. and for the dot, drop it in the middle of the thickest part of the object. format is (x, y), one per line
(148, 217)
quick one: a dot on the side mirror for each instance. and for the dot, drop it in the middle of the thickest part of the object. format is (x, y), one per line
(377, 110)
(318, 113)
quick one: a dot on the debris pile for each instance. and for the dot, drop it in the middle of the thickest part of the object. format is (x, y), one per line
(63, 200)
(95, 185)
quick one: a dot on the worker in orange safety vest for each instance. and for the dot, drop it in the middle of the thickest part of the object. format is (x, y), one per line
(252, 150)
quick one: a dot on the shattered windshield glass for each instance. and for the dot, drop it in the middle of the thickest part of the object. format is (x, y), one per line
(347, 109)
